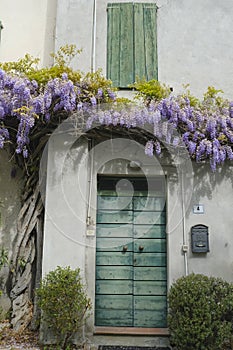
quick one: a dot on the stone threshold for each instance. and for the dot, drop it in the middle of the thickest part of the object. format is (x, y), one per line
(131, 331)
(112, 347)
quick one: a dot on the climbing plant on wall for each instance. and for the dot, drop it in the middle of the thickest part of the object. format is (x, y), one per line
(33, 102)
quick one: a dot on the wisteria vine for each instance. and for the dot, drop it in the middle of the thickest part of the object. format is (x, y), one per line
(23, 102)
(205, 129)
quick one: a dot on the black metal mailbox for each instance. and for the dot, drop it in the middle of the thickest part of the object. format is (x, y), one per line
(200, 239)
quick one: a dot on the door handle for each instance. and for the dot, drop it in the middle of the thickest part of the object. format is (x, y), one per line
(125, 248)
(141, 248)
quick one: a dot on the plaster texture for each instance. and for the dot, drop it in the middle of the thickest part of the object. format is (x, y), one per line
(71, 205)
(28, 27)
(194, 37)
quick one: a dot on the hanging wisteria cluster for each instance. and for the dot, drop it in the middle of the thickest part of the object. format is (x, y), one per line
(206, 129)
(23, 102)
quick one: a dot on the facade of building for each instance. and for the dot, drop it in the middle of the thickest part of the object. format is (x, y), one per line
(193, 38)
(133, 224)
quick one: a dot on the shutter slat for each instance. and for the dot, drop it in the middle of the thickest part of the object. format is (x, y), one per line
(113, 43)
(120, 63)
(145, 29)
(126, 46)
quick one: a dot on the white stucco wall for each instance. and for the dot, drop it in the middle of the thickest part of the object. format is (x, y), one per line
(65, 205)
(195, 44)
(69, 241)
(29, 27)
(194, 40)
(215, 192)
(194, 37)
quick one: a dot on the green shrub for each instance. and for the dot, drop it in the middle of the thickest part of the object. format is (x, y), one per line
(150, 90)
(63, 302)
(200, 312)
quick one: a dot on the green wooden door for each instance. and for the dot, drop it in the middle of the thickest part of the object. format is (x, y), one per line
(131, 279)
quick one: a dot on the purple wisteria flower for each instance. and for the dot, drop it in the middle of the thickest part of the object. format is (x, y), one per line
(211, 127)
(192, 147)
(93, 101)
(99, 93)
(157, 148)
(111, 94)
(231, 109)
(149, 148)
(229, 152)
(206, 129)
(4, 135)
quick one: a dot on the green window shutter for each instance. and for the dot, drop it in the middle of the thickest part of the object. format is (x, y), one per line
(131, 42)
(120, 63)
(145, 39)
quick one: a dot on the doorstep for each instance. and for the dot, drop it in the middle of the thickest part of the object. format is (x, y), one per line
(131, 331)
(111, 347)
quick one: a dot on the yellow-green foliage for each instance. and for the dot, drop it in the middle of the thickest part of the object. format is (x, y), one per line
(211, 96)
(25, 65)
(96, 80)
(28, 66)
(62, 60)
(194, 101)
(123, 100)
(210, 100)
(43, 75)
(65, 54)
(151, 89)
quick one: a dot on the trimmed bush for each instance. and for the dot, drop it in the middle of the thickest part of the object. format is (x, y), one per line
(200, 312)
(63, 302)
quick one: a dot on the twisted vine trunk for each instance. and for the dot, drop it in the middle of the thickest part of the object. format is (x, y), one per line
(26, 260)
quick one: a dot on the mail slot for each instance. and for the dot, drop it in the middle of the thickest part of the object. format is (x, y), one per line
(200, 239)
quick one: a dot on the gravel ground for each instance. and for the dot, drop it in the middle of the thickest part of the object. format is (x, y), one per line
(11, 340)
(25, 340)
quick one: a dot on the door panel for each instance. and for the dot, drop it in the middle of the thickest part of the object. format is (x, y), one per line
(113, 230)
(150, 245)
(149, 310)
(152, 303)
(149, 231)
(114, 244)
(118, 272)
(120, 217)
(149, 217)
(149, 203)
(149, 259)
(150, 273)
(119, 302)
(146, 318)
(114, 203)
(114, 258)
(113, 318)
(131, 278)
(150, 287)
(114, 310)
(114, 287)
